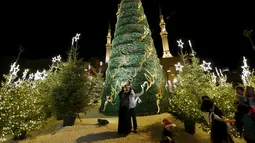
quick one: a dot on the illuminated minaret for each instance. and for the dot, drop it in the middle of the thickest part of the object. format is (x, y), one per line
(108, 44)
(163, 34)
(118, 11)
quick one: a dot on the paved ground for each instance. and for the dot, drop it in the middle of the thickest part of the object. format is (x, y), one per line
(149, 131)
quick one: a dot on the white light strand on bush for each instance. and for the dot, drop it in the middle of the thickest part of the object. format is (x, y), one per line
(180, 43)
(206, 66)
(246, 72)
(76, 38)
(178, 67)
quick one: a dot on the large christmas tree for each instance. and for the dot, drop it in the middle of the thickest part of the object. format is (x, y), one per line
(134, 58)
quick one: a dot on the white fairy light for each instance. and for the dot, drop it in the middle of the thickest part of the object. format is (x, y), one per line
(31, 76)
(89, 67)
(214, 78)
(180, 43)
(76, 38)
(54, 60)
(178, 67)
(37, 75)
(101, 63)
(58, 58)
(25, 73)
(43, 75)
(18, 83)
(206, 66)
(217, 72)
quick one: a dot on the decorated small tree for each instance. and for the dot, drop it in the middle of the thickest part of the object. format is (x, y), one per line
(192, 84)
(222, 93)
(71, 96)
(96, 87)
(134, 58)
(21, 104)
(185, 101)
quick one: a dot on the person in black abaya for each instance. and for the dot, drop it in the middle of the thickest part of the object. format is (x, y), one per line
(124, 126)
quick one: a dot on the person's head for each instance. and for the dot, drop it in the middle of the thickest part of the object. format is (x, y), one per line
(249, 91)
(169, 125)
(219, 131)
(207, 105)
(240, 90)
(125, 88)
(205, 97)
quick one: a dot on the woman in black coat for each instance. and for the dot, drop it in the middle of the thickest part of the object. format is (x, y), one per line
(124, 125)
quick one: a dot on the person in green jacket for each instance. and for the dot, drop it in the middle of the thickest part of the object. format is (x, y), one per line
(248, 124)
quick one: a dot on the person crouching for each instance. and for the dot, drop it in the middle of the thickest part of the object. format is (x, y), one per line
(168, 131)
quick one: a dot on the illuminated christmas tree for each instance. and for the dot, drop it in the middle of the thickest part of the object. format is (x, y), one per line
(134, 58)
(192, 84)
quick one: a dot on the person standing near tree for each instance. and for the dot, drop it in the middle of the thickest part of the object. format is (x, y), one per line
(132, 105)
(124, 123)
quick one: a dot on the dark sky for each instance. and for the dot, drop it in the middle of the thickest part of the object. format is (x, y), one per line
(45, 29)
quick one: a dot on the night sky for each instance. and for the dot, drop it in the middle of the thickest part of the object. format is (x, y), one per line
(46, 29)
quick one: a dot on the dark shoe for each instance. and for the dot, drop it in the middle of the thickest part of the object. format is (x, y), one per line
(135, 131)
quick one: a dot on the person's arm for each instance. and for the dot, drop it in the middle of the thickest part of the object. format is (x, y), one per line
(139, 94)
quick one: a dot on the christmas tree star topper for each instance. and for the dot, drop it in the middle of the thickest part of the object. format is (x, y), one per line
(76, 38)
(178, 67)
(206, 66)
(180, 43)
